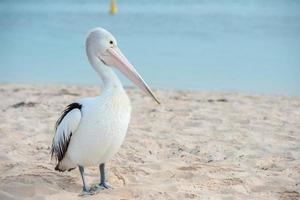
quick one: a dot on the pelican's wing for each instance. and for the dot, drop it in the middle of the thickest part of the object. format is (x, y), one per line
(66, 125)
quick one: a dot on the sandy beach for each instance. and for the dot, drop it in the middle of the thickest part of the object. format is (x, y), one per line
(195, 145)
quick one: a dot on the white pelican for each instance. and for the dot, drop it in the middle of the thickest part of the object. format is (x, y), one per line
(91, 130)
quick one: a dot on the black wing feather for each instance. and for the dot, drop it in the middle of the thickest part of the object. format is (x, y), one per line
(60, 150)
(66, 111)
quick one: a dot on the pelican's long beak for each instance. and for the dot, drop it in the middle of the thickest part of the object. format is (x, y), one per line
(114, 57)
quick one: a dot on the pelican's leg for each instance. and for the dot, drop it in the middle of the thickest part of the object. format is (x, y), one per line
(103, 182)
(85, 190)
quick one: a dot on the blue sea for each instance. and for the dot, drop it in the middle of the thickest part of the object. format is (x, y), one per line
(205, 45)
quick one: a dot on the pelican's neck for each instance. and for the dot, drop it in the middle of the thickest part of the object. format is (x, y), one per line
(108, 76)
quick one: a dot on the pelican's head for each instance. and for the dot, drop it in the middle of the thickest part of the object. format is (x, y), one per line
(103, 45)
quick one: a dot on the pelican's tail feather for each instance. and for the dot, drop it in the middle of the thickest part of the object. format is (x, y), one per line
(65, 165)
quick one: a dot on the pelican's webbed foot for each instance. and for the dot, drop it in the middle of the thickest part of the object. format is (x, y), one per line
(103, 186)
(89, 192)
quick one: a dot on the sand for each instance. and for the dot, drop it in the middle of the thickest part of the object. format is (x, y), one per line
(193, 146)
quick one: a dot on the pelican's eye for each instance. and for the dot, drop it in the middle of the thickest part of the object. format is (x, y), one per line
(111, 42)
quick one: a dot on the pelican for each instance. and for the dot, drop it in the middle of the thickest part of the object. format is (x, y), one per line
(91, 130)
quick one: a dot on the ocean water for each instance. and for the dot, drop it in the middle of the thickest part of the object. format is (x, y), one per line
(206, 45)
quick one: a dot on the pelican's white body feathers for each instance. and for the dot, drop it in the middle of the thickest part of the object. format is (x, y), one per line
(98, 128)
(102, 128)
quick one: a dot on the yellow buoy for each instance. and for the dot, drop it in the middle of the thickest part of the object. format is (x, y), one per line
(113, 7)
